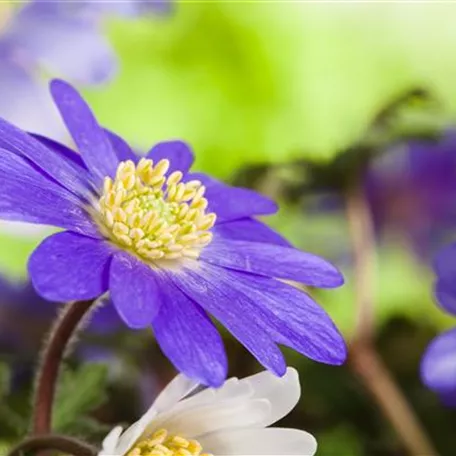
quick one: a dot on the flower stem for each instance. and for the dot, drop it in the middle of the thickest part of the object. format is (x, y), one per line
(53, 354)
(363, 357)
(63, 444)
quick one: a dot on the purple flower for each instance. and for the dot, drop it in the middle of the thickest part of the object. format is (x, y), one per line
(63, 38)
(20, 303)
(25, 317)
(412, 191)
(438, 367)
(169, 245)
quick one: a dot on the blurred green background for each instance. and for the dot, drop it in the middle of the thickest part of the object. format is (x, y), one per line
(255, 87)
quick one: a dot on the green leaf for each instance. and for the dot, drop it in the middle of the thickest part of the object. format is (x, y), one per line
(340, 441)
(80, 392)
(15, 249)
(402, 287)
(14, 254)
(87, 428)
(258, 83)
(5, 446)
(5, 376)
(402, 284)
(13, 424)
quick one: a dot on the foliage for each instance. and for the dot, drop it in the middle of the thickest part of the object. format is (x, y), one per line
(81, 392)
(271, 82)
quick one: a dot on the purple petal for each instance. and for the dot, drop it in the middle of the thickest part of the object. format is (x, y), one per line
(61, 150)
(249, 229)
(121, 147)
(178, 153)
(105, 319)
(33, 110)
(233, 203)
(448, 399)
(67, 266)
(135, 8)
(28, 196)
(134, 290)
(228, 306)
(93, 143)
(65, 41)
(272, 261)
(65, 172)
(445, 263)
(188, 337)
(292, 317)
(445, 292)
(438, 366)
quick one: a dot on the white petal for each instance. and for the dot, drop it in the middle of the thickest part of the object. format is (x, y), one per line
(264, 442)
(234, 388)
(231, 414)
(231, 389)
(110, 442)
(282, 392)
(135, 431)
(254, 402)
(177, 389)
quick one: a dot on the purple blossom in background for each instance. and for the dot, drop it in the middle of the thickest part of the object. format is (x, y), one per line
(438, 367)
(25, 317)
(55, 37)
(169, 245)
(412, 192)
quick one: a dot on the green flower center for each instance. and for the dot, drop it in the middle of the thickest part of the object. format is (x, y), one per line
(153, 215)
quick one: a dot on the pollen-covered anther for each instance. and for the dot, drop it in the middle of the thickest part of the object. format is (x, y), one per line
(157, 216)
(161, 443)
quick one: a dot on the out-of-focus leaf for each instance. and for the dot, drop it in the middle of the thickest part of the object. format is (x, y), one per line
(402, 288)
(14, 253)
(80, 392)
(403, 283)
(5, 446)
(4, 380)
(255, 82)
(88, 428)
(340, 441)
(427, 33)
(12, 423)
(17, 242)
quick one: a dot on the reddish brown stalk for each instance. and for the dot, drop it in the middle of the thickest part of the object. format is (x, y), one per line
(53, 355)
(363, 357)
(63, 444)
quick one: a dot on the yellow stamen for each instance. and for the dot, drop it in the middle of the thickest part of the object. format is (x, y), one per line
(160, 443)
(154, 215)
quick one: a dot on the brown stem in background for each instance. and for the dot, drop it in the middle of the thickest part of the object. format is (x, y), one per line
(53, 354)
(63, 444)
(363, 357)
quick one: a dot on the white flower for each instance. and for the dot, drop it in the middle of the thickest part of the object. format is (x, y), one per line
(231, 420)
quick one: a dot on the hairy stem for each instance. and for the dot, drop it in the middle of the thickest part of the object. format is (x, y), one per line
(63, 444)
(363, 357)
(54, 350)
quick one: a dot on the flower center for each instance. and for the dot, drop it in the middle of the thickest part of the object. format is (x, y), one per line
(163, 444)
(154, 215)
